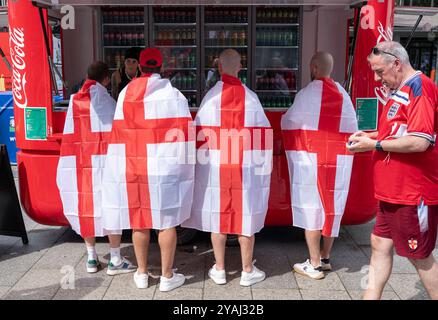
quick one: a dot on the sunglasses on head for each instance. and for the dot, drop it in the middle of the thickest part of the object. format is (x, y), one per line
(376, 51)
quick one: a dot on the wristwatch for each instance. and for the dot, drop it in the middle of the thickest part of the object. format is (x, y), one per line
(379, 146)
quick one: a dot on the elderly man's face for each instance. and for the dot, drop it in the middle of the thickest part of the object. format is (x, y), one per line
(389, 73)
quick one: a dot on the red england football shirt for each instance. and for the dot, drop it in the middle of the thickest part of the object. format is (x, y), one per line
(409, 178)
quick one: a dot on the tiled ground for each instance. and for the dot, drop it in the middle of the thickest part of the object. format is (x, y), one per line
(54, 255)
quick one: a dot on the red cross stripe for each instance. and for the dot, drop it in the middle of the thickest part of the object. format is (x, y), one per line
(136, 133)
(83, 144)
(232, 138)
(327, 142)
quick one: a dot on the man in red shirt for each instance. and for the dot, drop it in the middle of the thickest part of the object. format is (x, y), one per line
(405, 169)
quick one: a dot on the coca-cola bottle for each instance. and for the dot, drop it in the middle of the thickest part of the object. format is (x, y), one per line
(106, 38)
(135, 38)
(115, 16)
(141, 39)
(129, 38)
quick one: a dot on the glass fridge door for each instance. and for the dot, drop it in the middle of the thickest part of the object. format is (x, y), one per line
(277, 58)
(224, 27)
(174, 33)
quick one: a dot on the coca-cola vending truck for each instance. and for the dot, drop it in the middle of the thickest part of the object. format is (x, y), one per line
(252, 29)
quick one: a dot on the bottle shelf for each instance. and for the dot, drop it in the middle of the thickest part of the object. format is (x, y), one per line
(174, 24)
(123, 47)
(277, 47)
(225, 46)
(182, 69)
(176, 46)
(123, 24)
(225, 24)
(279, 24)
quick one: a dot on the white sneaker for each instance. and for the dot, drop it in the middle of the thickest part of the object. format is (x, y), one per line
(141, 280)
(306, 269)
(253, 277)
(325, 264)
(218, 276)
(176, 281)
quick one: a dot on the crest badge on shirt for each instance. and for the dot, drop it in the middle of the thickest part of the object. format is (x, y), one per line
(393, 109)
(413, 244)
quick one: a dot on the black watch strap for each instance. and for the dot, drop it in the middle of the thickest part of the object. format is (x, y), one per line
(379, 146)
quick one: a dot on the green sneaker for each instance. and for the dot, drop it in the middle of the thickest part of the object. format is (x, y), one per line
(124, 267)
(93, 266)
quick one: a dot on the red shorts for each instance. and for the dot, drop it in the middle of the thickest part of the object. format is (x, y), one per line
(413, 229)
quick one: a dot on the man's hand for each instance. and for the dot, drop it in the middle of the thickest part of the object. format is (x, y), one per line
(360, 142)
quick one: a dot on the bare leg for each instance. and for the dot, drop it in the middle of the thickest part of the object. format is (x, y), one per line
(246, 251)
(114, 240)
(140, 239)
(313, 243)
(90, 242)
(428, 271)
(167, 242)
(380, 266)
(219, 241)
(327, 245)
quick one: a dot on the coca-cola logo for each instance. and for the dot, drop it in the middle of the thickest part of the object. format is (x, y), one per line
(16, 44)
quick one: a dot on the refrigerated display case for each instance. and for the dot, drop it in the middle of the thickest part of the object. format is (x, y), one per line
(192, 37)
(122, 28)
(174, 32)
(224, 28)
(277, 55)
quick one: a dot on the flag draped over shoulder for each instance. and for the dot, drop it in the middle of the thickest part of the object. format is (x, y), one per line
(82, 157)
(315, 131)
(234, 161)
(149, 172)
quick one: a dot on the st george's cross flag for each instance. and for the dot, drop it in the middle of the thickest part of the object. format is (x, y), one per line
(315, 132)
(82, 158)
(149, 171)
(234, 161)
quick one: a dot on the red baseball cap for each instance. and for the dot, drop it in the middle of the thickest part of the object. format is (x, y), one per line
(151, 58)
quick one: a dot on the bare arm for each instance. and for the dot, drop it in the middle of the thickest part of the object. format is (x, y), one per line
(405, 144)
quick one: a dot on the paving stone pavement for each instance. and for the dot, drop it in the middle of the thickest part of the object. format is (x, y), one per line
(52, 266)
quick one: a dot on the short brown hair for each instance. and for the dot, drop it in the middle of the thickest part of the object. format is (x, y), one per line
(151, 70)
(98, 71)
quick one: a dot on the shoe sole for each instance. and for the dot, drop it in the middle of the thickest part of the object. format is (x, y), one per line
(92, 270)
(141, 287)
(326, 268)
(319, 277)
(170, 289)
(247, 284)
(220, 282)
(116, 272)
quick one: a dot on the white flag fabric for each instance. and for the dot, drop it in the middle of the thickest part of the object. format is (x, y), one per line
(149, 172)
(315, 131)
(234, 161)
(82, 157)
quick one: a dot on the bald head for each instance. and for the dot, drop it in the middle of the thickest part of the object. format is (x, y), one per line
(321, 65)
(229, 62)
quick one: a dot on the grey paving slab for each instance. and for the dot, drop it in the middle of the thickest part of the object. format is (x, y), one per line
(182, 293)
(278, 272)
(193, 268)
(357, 280)
(330, 282)
(325, 294)
(85, 279)
(4, 290)
(60, 255)
(18, 262)
(122, 287)
(230, 291)
(38, 284)
(408, 287)
(10, 278)
(275, 294)
(387, 295)
(82, 293)
(360, 233)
